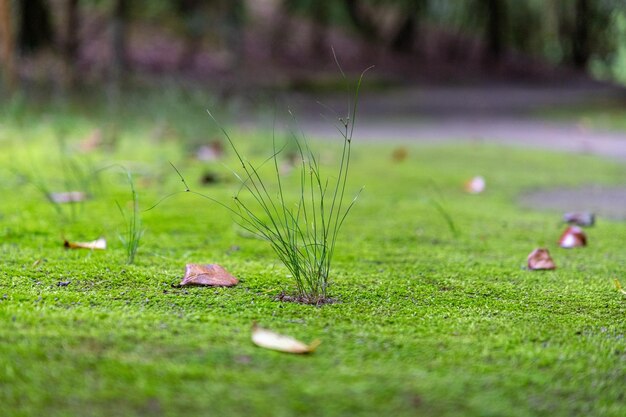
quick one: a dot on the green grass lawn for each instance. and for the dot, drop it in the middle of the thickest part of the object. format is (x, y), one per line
(426, 323)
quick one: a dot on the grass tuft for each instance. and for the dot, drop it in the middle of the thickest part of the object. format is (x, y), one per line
(131, 237)
(303, 235)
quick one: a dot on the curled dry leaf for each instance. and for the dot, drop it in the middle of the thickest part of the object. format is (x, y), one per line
(99, 244)
(573, 237)
(475, 185)
(540, 259)
(210, 152)
(67, 197)
(210, 275)
(399, 154)
(269, 340)
(584, 219)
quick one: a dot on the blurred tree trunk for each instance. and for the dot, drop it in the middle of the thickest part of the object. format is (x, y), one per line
(35, 30)
(362, 23)
(119, 25)
(319, 35)
(580, 41)
(70, 47)
(496, 21)
(8, 45)
(234, 30)
(404, 38)
(194, 23)
(281, 29)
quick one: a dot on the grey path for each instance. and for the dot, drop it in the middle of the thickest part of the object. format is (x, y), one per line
(498, 114)
(608, 202)
(493, 114)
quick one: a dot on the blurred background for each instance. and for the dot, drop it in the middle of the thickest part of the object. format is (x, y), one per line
(450, 59)
(239, 44)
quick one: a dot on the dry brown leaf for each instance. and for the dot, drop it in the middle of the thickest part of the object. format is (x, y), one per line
(584, 219)
(540, 259)
(399, 154)
(211, 152)
(99, 244)
(67, 197)
(270, 340)
(211, 274)
(475, 185)
(573, 237)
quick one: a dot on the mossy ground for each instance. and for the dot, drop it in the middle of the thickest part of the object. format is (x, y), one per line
(426, 323)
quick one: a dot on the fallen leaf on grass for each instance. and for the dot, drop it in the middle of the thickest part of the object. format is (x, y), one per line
(573, 237)
(67, 197)
(580, 219)
(618, 286)
(476, 185)
(211, 152)
(269, 340)
(99, 244)
(540, 259)
(399, 154)
(211, 275)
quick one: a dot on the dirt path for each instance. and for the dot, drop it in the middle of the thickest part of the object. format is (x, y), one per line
(497, 114)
